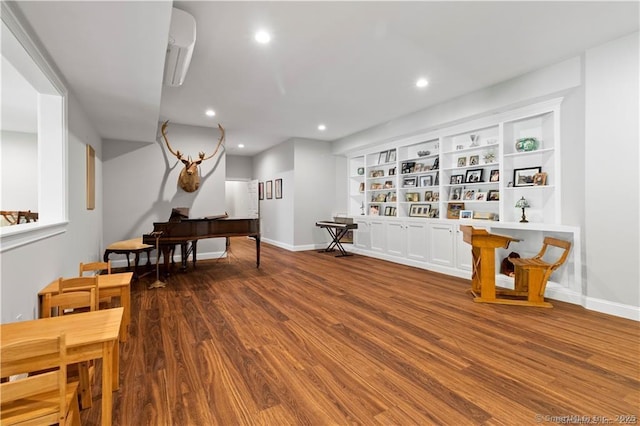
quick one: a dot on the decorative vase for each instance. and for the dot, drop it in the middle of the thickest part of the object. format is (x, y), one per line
(527, 144)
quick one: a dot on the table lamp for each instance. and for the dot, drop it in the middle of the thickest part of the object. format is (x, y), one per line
(522, 204)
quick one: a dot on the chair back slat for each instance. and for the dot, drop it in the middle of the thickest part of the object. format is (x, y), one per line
(95, 267)
(81, 299)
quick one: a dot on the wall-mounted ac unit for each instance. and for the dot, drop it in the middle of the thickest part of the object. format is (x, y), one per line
(182, 39)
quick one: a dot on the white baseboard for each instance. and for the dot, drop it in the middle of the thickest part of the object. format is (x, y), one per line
(121, 262)
(612, 308)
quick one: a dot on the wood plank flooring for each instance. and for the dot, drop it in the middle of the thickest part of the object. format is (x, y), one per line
(310, 339)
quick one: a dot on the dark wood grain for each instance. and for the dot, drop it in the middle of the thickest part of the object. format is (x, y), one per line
(310, 339)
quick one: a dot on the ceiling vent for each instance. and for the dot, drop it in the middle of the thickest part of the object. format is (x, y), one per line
(182, 39)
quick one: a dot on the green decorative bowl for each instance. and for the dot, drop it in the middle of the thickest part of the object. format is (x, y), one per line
(527, 144)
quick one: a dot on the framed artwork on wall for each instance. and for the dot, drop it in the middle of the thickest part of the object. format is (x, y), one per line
(260, 190)
(91, 178)
(269, 189)
(278, 188)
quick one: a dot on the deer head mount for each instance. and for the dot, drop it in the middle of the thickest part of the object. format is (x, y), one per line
(189, 179)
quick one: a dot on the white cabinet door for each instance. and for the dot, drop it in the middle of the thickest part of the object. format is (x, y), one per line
(463, 251)
(377, 235)
(396, 241)
(362, 235)
(441, 244)
(416, 241)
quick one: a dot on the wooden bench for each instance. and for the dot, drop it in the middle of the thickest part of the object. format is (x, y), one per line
(135, 246)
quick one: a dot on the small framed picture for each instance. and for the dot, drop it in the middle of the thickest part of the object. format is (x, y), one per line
(388, 184)
(360, 187)
(456, 194)
(426, 180)
(481, 196)
(462, 161)
(469, 195)
(412, 196)
(453, 210)
(428, 195)
(387, 211)
(474, 176)
(360, 170)
(494, 176)
(374, 210)
(456, 179)
(436, 164)
(382, 158)
(466, 214)
(474, 160)
(493, 195)
(525, 177)
(392, 171)
(391, 156)
(409, 182)
(419, 210)
(436, 196)
(540, 179)
(261, 190)
(278, 189)
(269, 189)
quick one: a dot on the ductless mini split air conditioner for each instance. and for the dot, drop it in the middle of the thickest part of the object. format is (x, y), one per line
(182, 39)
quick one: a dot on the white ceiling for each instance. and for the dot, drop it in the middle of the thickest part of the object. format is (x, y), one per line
(349, 65)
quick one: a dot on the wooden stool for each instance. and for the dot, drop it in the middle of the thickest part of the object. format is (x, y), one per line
(134, 245)
(533, 273)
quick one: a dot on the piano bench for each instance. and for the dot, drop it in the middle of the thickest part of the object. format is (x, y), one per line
(135, 246)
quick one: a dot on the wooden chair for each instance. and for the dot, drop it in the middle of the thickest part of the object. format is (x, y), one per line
(40, 394)
(96, 267)
(74, 295)
(532, 274)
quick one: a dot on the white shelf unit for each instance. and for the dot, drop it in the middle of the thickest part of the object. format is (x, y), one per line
(381, 183)
(356, 185)
(419, 168)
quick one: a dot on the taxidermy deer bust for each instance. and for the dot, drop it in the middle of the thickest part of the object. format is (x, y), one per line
(189, 179)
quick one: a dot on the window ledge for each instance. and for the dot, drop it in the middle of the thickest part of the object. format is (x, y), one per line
(19, 235)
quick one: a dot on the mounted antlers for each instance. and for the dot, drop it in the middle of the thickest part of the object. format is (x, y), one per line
(189, 179)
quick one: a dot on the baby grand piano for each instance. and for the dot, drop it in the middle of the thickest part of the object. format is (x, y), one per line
(179, 229)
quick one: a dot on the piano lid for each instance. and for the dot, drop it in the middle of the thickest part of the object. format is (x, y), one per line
(179, 213)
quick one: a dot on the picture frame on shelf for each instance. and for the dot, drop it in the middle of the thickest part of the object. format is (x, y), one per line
(453, 210)
(428, 195)
(387, 211)
(375, 186)
(466, 214)
(412, 196)
(481, 196)
(540, 179)
(409, 182)
(436, 196)
(456, 179)
(426, 180)
(525, 176)
(407, 167)
(382, 158)
(380, 198)
(469, 195)
(376, 173)
(278, 188)
(391, 155)
(474, 176)
(419, 210)
(434, 213)
(360, 187)
(494, 175)
(374, 210)
(388, 184)
(436, 164)
(462, 161)
(474, 160)
(437, 181)
(456, 194)
(360, 171)
(484, 215)
(493, 195)
(392, 171)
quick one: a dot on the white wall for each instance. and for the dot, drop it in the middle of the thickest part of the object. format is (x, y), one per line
(277, 216)
(142, 184)
(239, 168)
(612, 179)
(237, 198)
(314, 179)
(19, 160)
(59, 255)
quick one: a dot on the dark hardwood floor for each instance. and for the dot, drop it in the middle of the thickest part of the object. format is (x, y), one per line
(310, 339)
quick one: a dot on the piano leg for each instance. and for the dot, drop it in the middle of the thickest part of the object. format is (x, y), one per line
(167, 251)
(194, 248)
(257, 252)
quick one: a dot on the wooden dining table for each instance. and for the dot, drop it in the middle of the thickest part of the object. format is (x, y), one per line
(89, 335)
(109, 285)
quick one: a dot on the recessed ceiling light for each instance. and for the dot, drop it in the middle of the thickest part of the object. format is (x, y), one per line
(322, 127)
(263, 37)
(210, 113)
(422, 82)
(240, 145)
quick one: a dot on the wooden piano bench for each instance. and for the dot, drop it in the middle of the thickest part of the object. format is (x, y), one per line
(135, 246)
